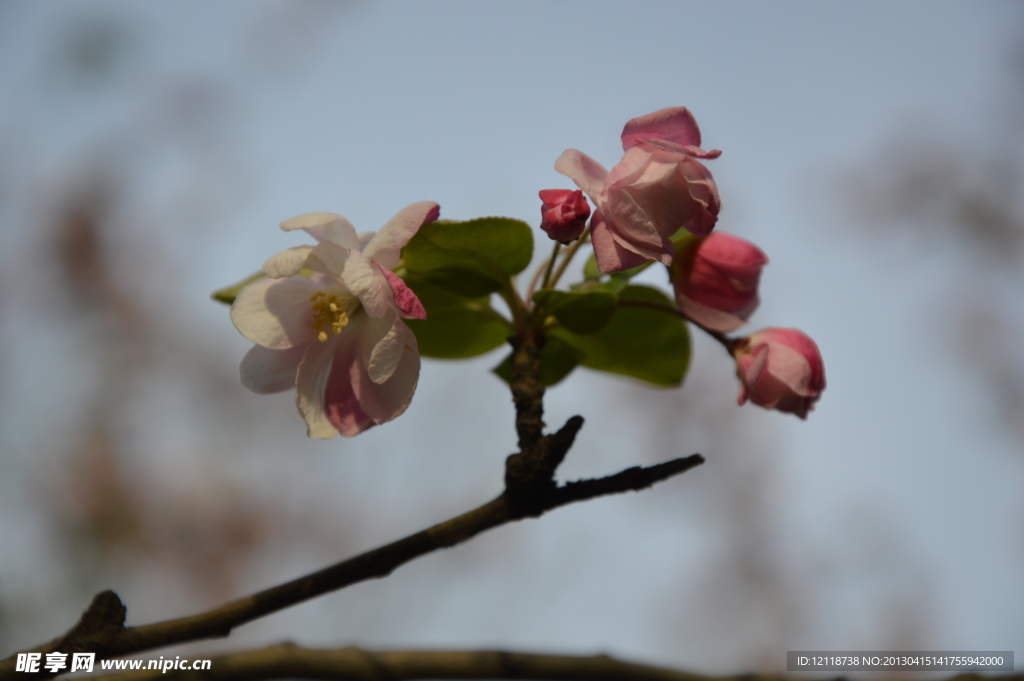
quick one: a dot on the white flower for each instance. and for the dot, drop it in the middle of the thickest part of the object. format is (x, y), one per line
(337, 337)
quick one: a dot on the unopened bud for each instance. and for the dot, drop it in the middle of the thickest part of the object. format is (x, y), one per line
(564, 214)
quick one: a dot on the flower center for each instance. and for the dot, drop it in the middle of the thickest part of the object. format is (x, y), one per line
(332, 310)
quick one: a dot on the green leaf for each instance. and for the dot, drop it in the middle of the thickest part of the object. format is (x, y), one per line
(650, 344)
(455, 327)
(583, 312)
(228, 294)
(590, 270)
(557, 360)
(471, 258)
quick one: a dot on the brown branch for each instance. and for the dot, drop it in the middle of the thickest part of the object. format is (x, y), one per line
(101, 629)
(353, 664)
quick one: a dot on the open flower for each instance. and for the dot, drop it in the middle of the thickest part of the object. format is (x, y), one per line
(716, 278)
(658, 188)
(337, 336)
(780, 369)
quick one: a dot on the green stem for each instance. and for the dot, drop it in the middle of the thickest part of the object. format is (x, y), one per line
(551, 266)
(568, 257)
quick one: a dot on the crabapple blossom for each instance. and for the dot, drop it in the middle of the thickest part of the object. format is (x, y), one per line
(658, 188)
(715, 279)
(780, 369)
(564, 214)
(337, 336)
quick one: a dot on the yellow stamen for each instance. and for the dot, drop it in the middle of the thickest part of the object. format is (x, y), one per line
(333, 310)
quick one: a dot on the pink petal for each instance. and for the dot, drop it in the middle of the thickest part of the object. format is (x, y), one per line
(680, 149)
(388, 400)
(634, 229)
(588, 174)
(311, 384)
(340, 402)
(710, 317)
(386, 246)
(287, 263)
(675, 124)
(265, 371)
(276, 313)
(405, 298)
(324, 227)
(630, 167)
(611, 256)
(750, 366)
(368, 284)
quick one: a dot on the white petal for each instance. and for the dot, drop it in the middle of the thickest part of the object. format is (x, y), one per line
(276, 313)
(368, 284)
(328, 257)
(385, 247)
(311, 384)
(265, 371)
(324, 227)
(287, 263)
(388, 400)
(380, 344)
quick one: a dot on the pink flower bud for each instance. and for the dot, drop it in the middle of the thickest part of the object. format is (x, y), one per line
(716, 280)
(780, 369)
(564, 214)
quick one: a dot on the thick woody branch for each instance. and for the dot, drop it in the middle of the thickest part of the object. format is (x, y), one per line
(288, 661)
(101, 628)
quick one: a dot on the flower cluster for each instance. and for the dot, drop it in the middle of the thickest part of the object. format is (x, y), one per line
(335, 336)
(327, 319)
(659, 190)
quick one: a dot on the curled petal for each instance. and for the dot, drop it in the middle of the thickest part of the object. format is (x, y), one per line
(675, 124)
(588, 174)
(329, 258)
(389, 399)
(630, 168)
(368, 284)
(311, 384)
(404, 296)
(379, 344)
(386, 245)
(610, 254)
(265, 371)
(324, 227)
(287, 263)
(276, 313)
